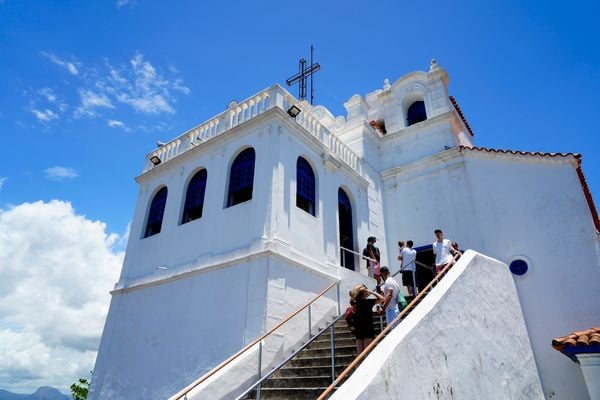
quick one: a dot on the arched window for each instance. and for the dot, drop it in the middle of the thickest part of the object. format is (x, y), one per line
(346, 227)
(416, 113)
(305, 186)
(194, 197)
(241, 178)
(157, 210)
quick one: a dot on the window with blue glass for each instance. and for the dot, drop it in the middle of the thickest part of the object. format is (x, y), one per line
(416, 113)
(305, 186)
(241, 178)
(194, 197)
(346, 228)
(518, 267)
(155, 215)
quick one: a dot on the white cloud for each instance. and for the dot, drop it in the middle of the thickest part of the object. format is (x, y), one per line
(90, 101)
(115, 123)
(69, 66)
(46, 115)
(149, 91)
(48, 94)
(3, 180)
(60, 173)
(139, 84)
(56, 268)
(121, 3)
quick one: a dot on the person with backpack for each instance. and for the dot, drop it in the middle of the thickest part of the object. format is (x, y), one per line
(391, 293)
(362, 317)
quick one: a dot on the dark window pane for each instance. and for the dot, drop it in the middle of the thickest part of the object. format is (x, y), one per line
(305, 186)
(241, 178)
(416, 113)
(519, 267)
(155, 215)
(194, 198)
(346, 228)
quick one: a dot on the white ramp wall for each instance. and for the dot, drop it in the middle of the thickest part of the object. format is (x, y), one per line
(466, 340)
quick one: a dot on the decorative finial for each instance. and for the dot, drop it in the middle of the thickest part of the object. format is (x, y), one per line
(434, 65)
(386, 84)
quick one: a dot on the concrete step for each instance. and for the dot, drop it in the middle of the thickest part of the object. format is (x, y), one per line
(326, 343)
(320, 361)
(290, 393)
(345, 332)
(326, 352)
(290, 371)
(298, 381)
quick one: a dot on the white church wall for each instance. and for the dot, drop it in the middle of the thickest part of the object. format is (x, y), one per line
(511, 207)
(220, 229)
(417, 141)
(317, 237)
(545, 220)
(161, 337)
(424, 196)
(467, 340)
(292, 223)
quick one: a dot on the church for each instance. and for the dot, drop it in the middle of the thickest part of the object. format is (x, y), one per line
(248, 233)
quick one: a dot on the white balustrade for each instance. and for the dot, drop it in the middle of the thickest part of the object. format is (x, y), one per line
(274, 96)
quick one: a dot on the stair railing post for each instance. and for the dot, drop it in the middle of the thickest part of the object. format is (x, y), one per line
(332, 353)
(415, 290)
(259, 369)
(338, 299)
(309, 323)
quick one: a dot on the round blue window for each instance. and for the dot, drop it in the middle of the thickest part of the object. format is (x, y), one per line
(518, 267)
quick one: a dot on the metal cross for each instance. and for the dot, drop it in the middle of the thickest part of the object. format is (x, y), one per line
(302, 76)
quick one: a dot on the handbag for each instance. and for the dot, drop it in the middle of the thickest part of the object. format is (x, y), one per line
(349, 315)
(401, 301)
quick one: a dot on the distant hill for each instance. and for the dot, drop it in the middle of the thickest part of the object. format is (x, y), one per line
(43, 393)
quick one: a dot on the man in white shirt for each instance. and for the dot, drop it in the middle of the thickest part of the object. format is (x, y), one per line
(390, 295)
(408, 256)
(442, 248)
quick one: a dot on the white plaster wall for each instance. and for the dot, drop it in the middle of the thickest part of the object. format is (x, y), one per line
(466, 340)
(317, 237)
(542, 217)
(220, 229)
(509, 207)
(161, 337)
(417, 141)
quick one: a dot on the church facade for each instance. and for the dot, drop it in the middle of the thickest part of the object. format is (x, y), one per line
(246, 217)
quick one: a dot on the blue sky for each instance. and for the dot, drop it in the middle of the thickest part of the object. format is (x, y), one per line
(87, 87)
(526, 77)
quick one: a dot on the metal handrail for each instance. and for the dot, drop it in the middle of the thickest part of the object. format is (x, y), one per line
(267, 376)
(183, 393)
(359, 358)
(358, 254)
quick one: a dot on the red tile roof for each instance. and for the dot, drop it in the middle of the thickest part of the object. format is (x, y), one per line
(521, 153)
(588, 337)
(584, 186)
(460, 113)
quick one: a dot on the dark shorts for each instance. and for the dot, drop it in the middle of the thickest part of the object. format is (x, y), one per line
(407, 278)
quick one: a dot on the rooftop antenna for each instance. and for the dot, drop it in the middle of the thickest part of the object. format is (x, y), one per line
(302, 76)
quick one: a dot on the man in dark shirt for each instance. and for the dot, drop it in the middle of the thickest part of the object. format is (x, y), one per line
(372, 252)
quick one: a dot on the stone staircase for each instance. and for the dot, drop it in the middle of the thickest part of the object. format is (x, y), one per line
(308, 374)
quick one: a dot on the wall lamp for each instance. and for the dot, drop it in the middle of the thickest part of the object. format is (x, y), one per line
(155, 160)
(293, 111)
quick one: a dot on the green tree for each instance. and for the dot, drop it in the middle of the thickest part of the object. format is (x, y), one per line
(80, 389)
